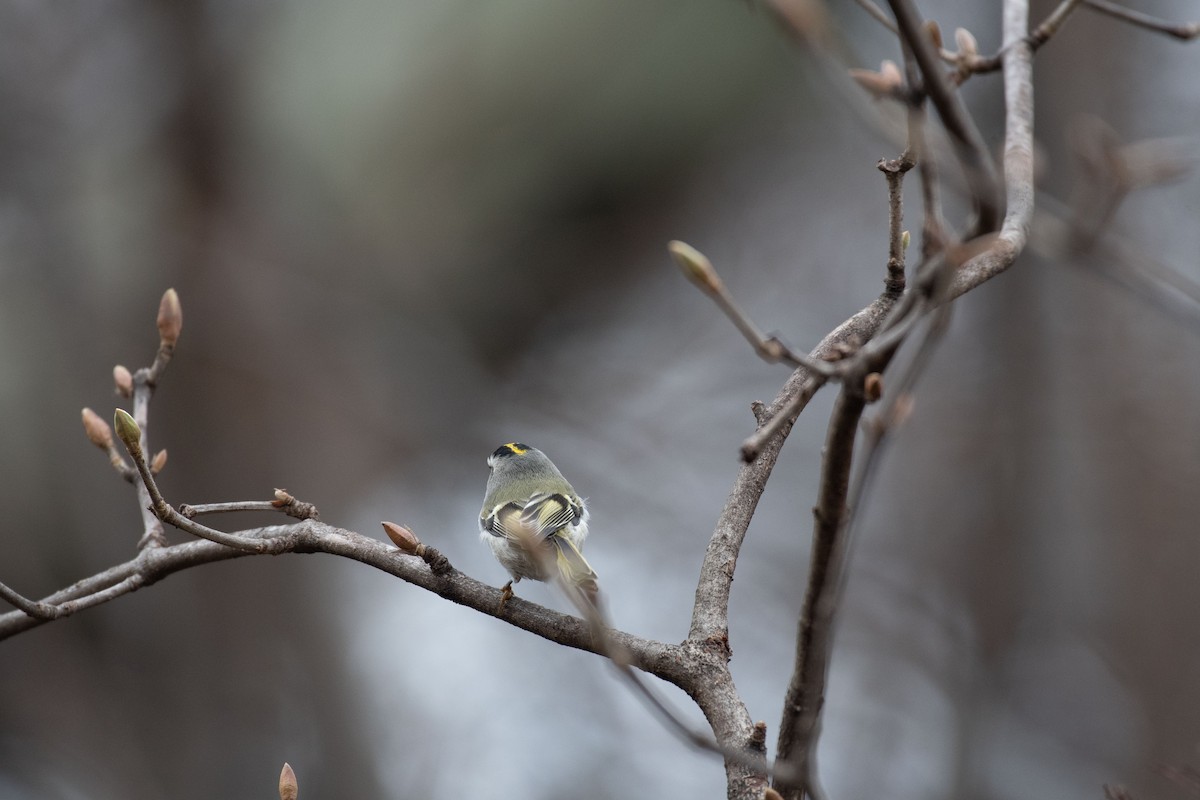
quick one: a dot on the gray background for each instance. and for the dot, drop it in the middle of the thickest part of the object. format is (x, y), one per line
(404, 233)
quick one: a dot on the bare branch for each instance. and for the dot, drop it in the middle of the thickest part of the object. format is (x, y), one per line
(1036, 38)
(310, 536)
(969, 146)
(710, 614)
(1183, 31)
(1018, 157)
(283, 502)
(876, 13)
(806, 690)
(699, 270)
(893, 171)
(43, 611)
(132, 436)
(1050, 25)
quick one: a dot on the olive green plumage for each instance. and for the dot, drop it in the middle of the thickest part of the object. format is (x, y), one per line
(533, 519)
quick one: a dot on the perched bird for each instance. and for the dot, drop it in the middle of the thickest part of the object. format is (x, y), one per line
(535, 522)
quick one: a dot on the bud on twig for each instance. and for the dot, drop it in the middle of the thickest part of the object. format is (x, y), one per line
(967, 46)
(128, 432)
(905, 240)
(934, 32)
(288, 788)
(97, 430)
(170, 318)
(696, 266)
(873, 387)
(887, 82)
(402, 537)
(158, 462)
(123, 380)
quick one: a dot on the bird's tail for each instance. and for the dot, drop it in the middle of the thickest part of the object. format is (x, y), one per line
(575, 570)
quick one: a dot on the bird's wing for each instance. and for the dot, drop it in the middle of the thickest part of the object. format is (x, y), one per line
(503, 520)
(546, 514)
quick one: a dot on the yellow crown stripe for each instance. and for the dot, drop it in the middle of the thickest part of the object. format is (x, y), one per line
(516, 448)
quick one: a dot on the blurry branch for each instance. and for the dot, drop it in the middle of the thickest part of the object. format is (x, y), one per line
(938, 282)
(1126, 265)
(1183, 31)
(971, 63)
(1185, 777)
(1109, 170)
(969, 146)
(878, 14)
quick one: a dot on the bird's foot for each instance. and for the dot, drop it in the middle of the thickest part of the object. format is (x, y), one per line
(506, 593)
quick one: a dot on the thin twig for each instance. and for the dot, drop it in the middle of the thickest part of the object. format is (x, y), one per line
(1036, 38)
(163, 511)
(710, 613)
(878, 15)
(893, 171)
(969, 146)
(192, 511)
(283, 502)
(806, 690)
(1184, 31)
(1050, 25)
(42, 611)
(801, 387)
(700, 271)
(143, 391)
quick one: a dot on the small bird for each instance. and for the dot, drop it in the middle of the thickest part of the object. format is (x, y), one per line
(535, 522)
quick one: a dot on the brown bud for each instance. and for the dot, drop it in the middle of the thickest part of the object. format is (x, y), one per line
(887, 82)
(128, 431)
(771, 794)
(873, 387)
(288, 788)
(97, 430)
(282, 498)
(401, 536)
(934, 32)
(695, 265)
(158, 462)
(170, 317)
(123, 380)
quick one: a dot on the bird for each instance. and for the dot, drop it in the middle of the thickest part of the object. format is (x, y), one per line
(535, 522)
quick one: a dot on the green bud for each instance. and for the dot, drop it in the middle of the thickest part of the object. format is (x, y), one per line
(128, 431)
(695, 265)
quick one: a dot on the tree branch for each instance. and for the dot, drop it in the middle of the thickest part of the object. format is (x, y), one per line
(310, 536)
(1018, 156)
(1183, 31)
(969, 146)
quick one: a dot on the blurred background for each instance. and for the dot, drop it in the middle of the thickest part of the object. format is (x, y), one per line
(404, 233)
